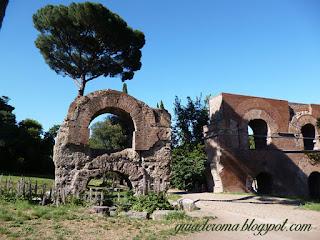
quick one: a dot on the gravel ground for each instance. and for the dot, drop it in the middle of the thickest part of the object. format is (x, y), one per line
(236, 209)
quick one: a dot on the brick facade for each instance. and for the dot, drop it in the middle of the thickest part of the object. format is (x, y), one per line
(281, 131)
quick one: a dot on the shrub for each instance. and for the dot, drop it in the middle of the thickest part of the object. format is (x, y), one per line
(149, 202)
(188, 166)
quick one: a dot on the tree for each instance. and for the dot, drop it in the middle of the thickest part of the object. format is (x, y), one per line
(3, 6)
(188, 166)
(189, 121)
(252, 142)
(6, 115)
(53, 131)
(124, 88)
(161, 105)
(8, 135)
(111, 133)
(23, 146)
(47, 145)
(29, 146)
(86, 40)
(33, 127)
(188, 153)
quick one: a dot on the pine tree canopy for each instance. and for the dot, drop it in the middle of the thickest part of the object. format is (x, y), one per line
(86, 40)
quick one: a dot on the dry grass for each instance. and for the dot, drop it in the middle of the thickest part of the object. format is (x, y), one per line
(22, 220)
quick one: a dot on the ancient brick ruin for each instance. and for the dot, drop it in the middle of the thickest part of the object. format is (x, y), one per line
(147, 163)
(277, 164)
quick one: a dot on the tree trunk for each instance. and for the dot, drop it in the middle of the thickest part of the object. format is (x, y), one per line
(82, 86)
(80, 93)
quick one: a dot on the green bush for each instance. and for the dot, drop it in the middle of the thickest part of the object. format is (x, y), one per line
(188, 166)
(149, 202)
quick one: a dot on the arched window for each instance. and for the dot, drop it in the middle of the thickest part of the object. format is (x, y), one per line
(111, 130)
(259, 129)
(308, 133)
(314, 185)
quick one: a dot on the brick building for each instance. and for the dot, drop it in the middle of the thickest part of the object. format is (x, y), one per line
(274, 160)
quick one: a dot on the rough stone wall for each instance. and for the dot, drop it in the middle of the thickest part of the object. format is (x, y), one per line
(147, 162)
(232, 166)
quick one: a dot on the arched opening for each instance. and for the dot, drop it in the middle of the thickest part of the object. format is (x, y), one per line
(314, 185)
(257, 130)
(264, 183)
(111, 130)
(308, 133)
(110, 180)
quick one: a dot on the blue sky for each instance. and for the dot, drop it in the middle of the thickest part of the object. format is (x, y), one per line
(265, 48)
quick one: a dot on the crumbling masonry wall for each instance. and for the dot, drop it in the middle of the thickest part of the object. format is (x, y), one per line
(278, 163)
(147, 162)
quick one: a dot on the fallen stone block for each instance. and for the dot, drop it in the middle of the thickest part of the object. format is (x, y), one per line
(113, 213)
(186, 204)
(173, 203)
(160, 214)
(101, 210)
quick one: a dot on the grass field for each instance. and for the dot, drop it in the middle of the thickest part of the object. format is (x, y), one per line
(40, 180)
(22, 220)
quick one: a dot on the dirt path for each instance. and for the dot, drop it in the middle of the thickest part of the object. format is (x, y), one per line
(236, 209)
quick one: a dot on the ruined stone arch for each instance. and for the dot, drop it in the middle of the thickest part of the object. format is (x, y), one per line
(134, 172)
(118, 103)
(149, 159)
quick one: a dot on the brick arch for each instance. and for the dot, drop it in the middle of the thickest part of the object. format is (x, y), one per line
(251, 109)
(259, 114)
(300, 121)
(83, 110)
(304, 120)
(259, 109)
